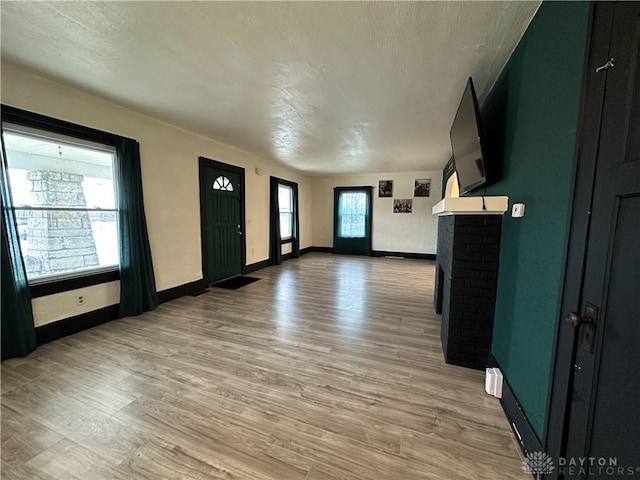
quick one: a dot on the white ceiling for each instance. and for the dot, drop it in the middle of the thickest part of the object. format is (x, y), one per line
(320, 86)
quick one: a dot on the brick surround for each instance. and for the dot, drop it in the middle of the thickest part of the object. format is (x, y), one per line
(465, 291)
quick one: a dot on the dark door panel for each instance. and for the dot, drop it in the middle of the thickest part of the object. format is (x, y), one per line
(616, 423)
(604, 395)
(352, 220)
(222, 223)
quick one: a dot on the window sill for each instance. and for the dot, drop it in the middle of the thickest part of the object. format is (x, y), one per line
(43, 287)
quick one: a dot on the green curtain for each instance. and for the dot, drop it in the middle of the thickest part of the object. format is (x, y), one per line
(275, 244)
(275, 249)
(18, 332)
(296, 222)
(137, 282)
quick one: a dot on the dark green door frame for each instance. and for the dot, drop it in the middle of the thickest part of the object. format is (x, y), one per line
(353, 246)
(203, 164)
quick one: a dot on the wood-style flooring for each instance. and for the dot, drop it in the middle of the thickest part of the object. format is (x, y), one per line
(329, 367)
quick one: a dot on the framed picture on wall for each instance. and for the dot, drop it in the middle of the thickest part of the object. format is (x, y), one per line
(385, 188)
(422, 187)
(402, 205)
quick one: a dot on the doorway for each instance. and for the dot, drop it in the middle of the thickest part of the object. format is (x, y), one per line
(352, 220)
(221, 220)
(595, 385)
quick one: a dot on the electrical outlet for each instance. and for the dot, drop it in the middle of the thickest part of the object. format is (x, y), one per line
(80, 300)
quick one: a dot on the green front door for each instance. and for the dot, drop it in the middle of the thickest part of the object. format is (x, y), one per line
(222, 224)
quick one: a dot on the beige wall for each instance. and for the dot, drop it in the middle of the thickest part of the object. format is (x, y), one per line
(169, 157)
(392, 232)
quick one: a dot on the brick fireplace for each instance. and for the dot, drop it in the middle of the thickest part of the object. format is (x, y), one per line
(466, 280)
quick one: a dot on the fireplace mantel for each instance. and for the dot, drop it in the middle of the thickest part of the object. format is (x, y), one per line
(494, 205)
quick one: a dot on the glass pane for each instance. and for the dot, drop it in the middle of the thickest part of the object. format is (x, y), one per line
(55, 242)
(285, 200)
(286, 225)
(352, 213)
(47, 173)
(223, 183)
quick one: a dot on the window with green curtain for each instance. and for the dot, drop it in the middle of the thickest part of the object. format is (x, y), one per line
(284, 219)
(79, 206)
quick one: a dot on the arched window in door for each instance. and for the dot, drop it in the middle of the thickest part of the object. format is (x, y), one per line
(223, 183)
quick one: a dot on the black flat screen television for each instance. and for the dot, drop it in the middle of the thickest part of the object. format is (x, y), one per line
(466, 142)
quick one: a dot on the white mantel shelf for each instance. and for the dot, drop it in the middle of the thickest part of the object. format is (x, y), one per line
(494, 205)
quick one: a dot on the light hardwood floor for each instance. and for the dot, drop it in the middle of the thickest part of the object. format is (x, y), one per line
(329, 367)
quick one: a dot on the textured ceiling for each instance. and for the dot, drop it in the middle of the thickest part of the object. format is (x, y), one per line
(320, 86)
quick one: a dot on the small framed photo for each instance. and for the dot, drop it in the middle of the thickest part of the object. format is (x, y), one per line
(402, 205)
(422, 187)
(385, 188)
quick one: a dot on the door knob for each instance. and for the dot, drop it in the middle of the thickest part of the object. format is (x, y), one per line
(576, 319)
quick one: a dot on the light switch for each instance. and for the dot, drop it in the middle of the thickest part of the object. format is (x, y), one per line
(517, 211)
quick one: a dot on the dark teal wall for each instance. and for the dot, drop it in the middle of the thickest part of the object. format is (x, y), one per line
(531, 117)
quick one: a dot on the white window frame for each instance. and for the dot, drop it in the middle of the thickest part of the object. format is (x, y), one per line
(340, 233)
(290, 212)
(46, 135)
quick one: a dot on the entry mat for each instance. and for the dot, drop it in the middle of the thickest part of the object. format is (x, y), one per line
(236, 282)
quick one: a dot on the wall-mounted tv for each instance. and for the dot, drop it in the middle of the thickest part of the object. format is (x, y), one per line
(466, 142)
